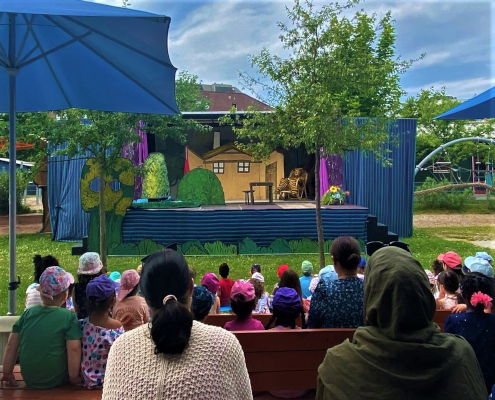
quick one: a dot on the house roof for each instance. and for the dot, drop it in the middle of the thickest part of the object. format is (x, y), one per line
(220, 150)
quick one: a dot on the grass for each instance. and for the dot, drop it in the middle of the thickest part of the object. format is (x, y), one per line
(425, 244)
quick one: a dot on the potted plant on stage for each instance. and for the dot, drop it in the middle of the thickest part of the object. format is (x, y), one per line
(334, 196)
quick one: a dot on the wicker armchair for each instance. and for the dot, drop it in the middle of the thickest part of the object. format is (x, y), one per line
(294, 186)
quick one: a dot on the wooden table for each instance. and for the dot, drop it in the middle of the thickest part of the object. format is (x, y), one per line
(267, 184)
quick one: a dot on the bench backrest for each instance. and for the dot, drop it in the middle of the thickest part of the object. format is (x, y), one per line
(287, 359)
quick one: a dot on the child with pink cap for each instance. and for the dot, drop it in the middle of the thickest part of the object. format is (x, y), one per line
(131, 310)
(211, 282)
(242, 301)
(48, 337)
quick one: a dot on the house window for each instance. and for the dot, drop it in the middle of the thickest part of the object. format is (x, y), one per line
(218, 168)
(243, 167)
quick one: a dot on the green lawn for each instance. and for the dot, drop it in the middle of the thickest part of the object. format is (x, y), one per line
(425, 245)
(471, 207)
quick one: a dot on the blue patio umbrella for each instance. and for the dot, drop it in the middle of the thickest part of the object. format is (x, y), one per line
(60, 54)
(479, 107)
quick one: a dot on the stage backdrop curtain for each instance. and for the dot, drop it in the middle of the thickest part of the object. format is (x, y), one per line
(137, 153)
(69, 222)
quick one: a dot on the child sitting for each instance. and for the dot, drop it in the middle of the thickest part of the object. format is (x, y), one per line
(262, 298)
(448, 284)
(305, 280)
(361, 268)
(287, 307)
(131, 310)
(210, 281)
(255, 268)
(225, 285)
(90, 267)
(40, 264)
(99, 331)
(48, 337)
(280, 272)
(433, 282)
(476, 326)
(202, 301)
(242, 303)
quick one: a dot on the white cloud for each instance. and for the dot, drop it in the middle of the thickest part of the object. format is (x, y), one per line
(462, 89)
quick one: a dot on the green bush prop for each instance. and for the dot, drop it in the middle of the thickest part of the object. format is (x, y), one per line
(219, 249)
(201, 186)
(155, 180)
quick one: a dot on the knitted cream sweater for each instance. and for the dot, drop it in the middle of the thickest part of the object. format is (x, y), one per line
(211, 368)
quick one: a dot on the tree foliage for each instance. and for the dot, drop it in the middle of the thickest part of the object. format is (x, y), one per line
(337, 68)
(428, 104)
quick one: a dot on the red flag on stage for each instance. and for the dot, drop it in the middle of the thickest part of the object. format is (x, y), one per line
(186, 161)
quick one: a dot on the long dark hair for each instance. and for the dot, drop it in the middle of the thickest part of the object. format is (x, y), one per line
(476, 282)
(42, 263)
(291, 280)
(167, 273)
(345, 250)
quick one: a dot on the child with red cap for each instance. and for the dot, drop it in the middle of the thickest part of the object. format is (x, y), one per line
(99, 330)
(131, 310)
(451, 260)
(243, 302)
(48, 337)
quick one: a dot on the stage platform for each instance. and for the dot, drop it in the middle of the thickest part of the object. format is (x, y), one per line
(233, 223)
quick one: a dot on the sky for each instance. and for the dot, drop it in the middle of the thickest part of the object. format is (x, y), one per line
(212, 38)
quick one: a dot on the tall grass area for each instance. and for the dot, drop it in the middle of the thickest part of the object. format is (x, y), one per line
(425, 245)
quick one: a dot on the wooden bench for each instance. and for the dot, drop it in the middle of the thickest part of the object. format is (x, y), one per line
(287, 359)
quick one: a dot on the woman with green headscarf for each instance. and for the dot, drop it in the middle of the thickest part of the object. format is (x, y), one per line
(400, 353)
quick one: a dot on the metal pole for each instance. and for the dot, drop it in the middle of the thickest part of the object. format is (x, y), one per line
(12, 73)
(439, 149)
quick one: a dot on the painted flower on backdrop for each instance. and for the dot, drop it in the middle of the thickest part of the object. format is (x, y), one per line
(334, 195)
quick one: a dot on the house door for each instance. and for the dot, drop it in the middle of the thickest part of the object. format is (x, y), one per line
(271, 176)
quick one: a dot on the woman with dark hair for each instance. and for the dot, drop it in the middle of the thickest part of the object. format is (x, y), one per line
(40, 264)
(400, 353)
(339, 303)
(174, 357)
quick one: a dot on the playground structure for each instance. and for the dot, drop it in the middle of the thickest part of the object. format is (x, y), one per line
(477, 183)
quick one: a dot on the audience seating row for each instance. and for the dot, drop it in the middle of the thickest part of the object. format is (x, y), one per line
(276, 360)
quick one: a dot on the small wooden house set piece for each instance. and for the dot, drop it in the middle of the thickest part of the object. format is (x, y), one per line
(236, 169)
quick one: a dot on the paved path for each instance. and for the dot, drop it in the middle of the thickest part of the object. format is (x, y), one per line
(432, 220)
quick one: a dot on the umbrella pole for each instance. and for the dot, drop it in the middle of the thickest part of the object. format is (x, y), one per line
(12, 73)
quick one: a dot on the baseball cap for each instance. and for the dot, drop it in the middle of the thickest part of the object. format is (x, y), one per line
(211, 282)
(451, 259)
(89, 264)
(244, 288)
(102, 287)
(115, 276)
(53, 281)
(484, 255)
(307, 267)
(202, 300)
(282, 269)
(128, 282)
(258, 276)
(287, 299)
(474, 264)
(328, 274)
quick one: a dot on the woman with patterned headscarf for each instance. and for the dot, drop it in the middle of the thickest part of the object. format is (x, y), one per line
(400, 353)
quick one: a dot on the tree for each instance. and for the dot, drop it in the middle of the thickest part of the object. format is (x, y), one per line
(338, 68)
(105, 133)
(428, 104)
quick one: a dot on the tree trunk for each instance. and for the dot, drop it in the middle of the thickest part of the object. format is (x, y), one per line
(103, 225)
(319, 225)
